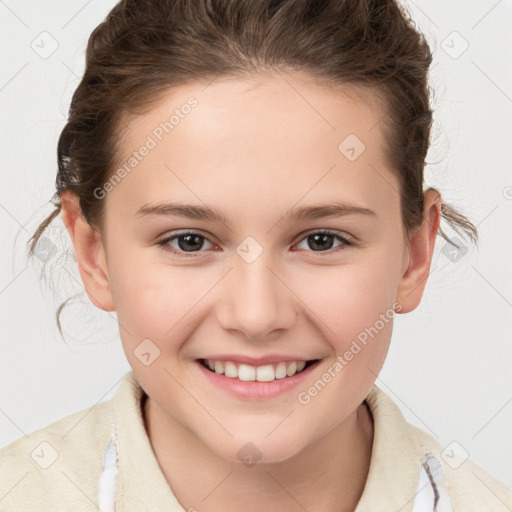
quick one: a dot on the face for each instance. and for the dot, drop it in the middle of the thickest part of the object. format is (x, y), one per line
(264, 283)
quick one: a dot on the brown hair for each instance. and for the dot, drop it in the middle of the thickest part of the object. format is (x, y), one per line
(144, 47)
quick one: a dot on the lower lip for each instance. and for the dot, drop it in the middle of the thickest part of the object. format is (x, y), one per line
(255, 390)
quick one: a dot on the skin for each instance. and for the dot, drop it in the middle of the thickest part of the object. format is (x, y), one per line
(254, 148)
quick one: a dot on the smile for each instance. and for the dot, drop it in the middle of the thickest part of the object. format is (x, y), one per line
(248, 373)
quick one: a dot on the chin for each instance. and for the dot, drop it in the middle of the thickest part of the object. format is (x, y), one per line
(256, 449)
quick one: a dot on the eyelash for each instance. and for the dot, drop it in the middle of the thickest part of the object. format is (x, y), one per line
(164, 244)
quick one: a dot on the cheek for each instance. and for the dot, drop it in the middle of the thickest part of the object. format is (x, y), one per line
(348, 298)
(157, 301)
(353, 308)
(355, 316)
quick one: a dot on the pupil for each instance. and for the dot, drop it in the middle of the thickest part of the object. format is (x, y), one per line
(320, 239)
(190, 239)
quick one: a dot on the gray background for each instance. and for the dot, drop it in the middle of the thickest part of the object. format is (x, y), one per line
(449, 366)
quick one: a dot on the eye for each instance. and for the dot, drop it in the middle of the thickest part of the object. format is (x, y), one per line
(323, 240)
(187, 242)
(191, 242)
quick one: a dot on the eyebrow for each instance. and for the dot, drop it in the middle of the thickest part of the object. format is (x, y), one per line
(206, 213)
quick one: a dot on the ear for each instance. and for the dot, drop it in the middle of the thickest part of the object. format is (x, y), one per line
(421, 248)
(89, 251)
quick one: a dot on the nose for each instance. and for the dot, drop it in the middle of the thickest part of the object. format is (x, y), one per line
(256, 300)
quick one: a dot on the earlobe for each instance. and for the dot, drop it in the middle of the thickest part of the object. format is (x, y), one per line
(89, 251)
(421, 248)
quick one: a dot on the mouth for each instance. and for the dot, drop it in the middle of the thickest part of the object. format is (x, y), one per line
(264, 380)
(264, 373)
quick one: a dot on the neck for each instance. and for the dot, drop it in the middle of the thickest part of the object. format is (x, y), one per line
(328, 476)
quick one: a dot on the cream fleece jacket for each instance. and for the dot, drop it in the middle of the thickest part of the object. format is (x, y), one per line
(58, 467)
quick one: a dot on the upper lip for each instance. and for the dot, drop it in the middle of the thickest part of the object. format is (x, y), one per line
(257, 361)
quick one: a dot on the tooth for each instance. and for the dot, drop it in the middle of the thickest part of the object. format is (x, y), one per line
(292, 369)
(246, 372)
(281, 371)
(230, 370)
(265, 373)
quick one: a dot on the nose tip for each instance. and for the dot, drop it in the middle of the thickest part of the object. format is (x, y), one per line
(256, 302)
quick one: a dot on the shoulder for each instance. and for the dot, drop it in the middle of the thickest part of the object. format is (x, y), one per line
(470, 487)
(59, 463)
(399, 462)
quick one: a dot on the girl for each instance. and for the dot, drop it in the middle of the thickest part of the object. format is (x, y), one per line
(243, 185)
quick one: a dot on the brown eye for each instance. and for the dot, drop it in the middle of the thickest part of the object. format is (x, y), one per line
(322, 241)
(187, 242)
(190, 242)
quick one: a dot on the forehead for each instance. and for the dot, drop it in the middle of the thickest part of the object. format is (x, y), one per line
(267, 139)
